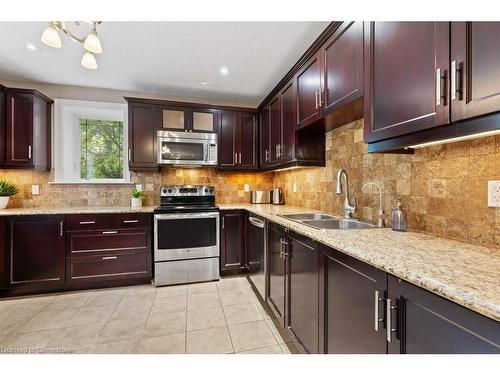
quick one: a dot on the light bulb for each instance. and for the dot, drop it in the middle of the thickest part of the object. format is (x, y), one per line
(92, 43)
(89, 61)
(50, 37)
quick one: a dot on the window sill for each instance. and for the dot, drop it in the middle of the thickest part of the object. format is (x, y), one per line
(90, 183)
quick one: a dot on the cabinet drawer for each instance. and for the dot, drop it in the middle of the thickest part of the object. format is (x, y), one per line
(88, 242)
(87, 222)
(131, 220)
(109, 267)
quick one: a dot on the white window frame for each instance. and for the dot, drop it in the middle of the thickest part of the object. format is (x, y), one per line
(66, 138)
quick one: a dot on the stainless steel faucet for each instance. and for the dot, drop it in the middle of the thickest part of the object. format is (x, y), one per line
(380, 213)
(349, 209)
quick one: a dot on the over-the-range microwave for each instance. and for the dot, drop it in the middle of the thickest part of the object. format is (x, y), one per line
(187, 148)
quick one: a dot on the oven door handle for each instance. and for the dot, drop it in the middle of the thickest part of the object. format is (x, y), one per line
(256, 222)
(193, 215)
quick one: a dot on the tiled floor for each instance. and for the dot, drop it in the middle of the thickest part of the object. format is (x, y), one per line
(216, 317)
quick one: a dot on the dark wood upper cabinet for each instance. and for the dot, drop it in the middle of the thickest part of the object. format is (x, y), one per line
(350, 292)
(142, 127)
(264, 137)
(275, 128)
(303, 281)
(232, 240)
(237, 140)
(35, 251)
(188, 119)
(309, 93)
(288, 122)
(343, 75)
(3, 119)
(227, 139)
(27, 130)
(406, 77)
(475, 69)
(247, 128)
(425, 323)
(276, 271)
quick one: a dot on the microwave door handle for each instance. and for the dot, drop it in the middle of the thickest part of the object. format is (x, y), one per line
(205, 152)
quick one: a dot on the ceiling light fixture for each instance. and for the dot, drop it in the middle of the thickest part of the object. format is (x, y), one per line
(224, 70)
(91, 42)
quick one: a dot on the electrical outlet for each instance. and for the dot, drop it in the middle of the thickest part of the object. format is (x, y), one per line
(138, 187)
(294, 187)
(35, 189)
(246, 188)
(494, 193)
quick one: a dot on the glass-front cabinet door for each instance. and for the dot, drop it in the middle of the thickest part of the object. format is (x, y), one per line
(188, 119)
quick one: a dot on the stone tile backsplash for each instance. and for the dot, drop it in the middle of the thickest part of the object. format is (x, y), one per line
(443, 188)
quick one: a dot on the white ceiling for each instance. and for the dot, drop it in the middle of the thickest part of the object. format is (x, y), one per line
(171, 58)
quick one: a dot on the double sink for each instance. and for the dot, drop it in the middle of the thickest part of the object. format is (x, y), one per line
(326, 221)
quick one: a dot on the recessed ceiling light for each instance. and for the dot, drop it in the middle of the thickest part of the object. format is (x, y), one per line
(32, 47)
(224, 70)
(205, 83)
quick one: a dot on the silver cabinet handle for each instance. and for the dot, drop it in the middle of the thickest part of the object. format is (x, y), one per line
(235, 158)
(320, 98)
(438, 87)
(110, 232)
(267, 155)
(240, 158)
(29, 152)
(278, 150)
(86, 222)
(454, 84)
(223, 221)
(257, 222)
(388, 319)
(316, 98)
(129, 154)
(109, 258)
(378, 320)
(130, 221)
(61, 229)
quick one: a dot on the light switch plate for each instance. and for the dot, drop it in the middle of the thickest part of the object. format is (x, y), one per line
(138, 187)
(246, 188)
(494, 193)
(35, 189)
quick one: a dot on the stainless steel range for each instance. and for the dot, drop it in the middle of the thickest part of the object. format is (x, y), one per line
(186, 235)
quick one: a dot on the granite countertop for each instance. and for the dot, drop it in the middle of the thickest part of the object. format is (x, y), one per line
(465, 273)
(74, 210)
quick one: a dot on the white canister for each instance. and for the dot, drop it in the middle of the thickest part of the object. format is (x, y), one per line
(4, 201)
(136, 202)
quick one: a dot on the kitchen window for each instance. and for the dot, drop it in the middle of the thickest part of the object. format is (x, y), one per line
(90, 140)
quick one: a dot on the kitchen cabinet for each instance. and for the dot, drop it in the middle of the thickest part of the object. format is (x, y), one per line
(188, 119)
(27, 130)
(237, 141)
(142, 126)
(276, 270)
(343, 91)
(352, 296)
(475, 72)
(108, 249)
(405, 92)
(421, 322)
(34, 252)
(275, 128)
(288, 123)
(303, 290)
(309, 92)
(3, 119)
(232, 255)
(264, 138)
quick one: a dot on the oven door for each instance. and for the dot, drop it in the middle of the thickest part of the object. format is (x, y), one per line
(182, 151)
(186, 236)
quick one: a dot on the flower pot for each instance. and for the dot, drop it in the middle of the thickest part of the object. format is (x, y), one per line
(4, 201)
(136, 202)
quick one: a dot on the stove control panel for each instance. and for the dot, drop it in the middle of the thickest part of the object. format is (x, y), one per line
(187, 191)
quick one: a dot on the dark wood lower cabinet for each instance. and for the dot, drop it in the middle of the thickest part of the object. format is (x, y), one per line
(276, 268)
(425, 323)
(303, 287)
(232, 236)
(352, 297)
(34, 252)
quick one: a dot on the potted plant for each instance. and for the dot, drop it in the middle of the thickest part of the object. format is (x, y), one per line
(7, 189)
(137, 196)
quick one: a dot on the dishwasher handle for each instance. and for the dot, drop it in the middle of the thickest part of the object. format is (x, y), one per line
(257, 222)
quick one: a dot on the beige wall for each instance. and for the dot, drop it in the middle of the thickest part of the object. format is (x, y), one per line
(443, 188)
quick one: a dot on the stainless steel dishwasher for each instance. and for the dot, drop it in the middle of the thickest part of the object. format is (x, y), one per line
(257, 253)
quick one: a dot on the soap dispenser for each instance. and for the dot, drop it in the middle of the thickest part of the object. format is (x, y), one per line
(399, 221)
